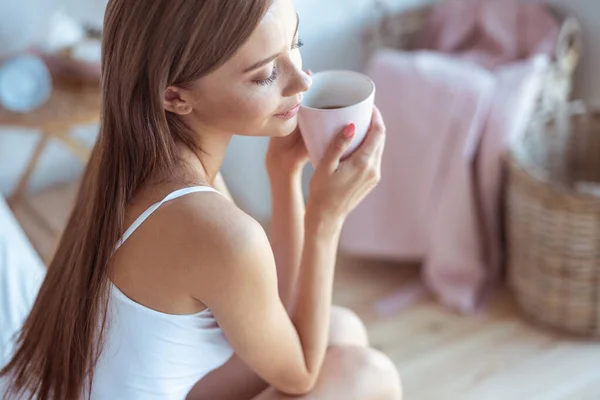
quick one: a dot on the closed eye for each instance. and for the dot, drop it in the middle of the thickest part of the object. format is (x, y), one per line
(299, 43)
(270, 79)
(273, 77)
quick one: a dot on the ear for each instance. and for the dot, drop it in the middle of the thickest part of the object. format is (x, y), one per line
(175, 101)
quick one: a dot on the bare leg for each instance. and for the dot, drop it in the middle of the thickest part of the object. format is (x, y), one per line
(235, 381)
(347, 329)
(351, 373)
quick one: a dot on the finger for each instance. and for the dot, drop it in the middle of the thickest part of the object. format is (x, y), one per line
(309, 72)
(379, 153)
(377, 119)
(336, 149)
(378, 124)
(374, 138)
(375, 133)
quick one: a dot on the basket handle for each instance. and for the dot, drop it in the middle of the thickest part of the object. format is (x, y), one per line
(389, 29)
(373, 33)
(384, 28)
(569, 45)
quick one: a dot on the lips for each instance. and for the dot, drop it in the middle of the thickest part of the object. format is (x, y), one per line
(290, 113)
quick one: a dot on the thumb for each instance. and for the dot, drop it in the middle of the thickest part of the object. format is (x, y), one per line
(336, 149)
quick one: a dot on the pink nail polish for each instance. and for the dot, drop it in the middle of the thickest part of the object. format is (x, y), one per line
(350, 131)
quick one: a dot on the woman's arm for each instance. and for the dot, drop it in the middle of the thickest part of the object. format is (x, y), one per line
(287, 224)
(238, 282)
(287, 230)
(237, 279)
(239, 285)
(286, 158)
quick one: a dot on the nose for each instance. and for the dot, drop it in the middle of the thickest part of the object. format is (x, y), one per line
(299, 82)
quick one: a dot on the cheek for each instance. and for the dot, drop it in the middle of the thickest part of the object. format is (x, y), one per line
(246, 111)
(260, 104)
(297, 59)
(256, 110)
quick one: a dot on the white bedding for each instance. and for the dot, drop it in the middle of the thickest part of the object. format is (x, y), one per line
(21, 274)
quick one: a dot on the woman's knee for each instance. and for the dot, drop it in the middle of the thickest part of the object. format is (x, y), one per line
(346, 328)
(375, 374)
(382, 368)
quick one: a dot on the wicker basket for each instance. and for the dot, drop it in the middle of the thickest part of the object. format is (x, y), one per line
(553, 210)
(553, 220)
(400, 30)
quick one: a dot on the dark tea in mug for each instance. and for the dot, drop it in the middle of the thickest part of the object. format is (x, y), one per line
(331, 107)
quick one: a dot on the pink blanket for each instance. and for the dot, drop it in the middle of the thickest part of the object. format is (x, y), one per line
(449, 117)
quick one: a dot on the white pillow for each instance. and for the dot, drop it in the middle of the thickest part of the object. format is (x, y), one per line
(21, 274)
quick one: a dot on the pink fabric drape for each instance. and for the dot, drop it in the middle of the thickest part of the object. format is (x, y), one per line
(450, 114)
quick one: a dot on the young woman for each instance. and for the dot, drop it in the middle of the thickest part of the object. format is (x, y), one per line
(161, 287)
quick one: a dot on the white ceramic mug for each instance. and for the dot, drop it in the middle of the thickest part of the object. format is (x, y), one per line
(335, 99)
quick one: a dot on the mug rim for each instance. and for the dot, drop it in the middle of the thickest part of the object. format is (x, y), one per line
(347, 72)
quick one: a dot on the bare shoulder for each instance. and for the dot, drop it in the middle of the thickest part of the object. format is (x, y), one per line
(213, 229)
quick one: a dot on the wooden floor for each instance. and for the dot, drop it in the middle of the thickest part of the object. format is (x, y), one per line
(492, 355)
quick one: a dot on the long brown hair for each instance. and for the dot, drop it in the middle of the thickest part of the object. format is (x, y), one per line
(148, 45)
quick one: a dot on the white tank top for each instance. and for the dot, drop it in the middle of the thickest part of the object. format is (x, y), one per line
(151, 355)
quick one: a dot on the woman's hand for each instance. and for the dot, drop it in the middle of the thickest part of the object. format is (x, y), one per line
(337, 187)
(287, 155)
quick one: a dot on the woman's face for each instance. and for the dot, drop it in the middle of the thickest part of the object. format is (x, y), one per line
(258, 91)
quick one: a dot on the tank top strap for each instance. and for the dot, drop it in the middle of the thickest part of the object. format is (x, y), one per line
(171, 196)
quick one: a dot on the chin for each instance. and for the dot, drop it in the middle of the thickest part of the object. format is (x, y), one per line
(286, 127)
(275, 127)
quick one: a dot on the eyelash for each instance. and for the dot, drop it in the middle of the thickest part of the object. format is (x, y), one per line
(269, 80)
(298, 44)
(273, 77)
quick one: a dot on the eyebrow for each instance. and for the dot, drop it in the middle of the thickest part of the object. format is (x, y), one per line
(269, 59)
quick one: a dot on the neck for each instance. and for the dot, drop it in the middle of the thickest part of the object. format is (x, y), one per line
(206, 165)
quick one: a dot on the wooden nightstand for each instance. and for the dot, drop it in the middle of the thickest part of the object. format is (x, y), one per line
(69, 105)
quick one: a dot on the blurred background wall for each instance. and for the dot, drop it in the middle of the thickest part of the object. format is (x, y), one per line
(332, 33)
